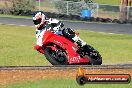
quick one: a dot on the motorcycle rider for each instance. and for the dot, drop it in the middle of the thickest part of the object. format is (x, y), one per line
(41, 25)
(39, 20)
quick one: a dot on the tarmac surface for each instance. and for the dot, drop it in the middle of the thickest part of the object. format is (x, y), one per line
(97, 27)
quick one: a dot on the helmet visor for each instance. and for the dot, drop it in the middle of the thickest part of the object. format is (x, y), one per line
(36, 22)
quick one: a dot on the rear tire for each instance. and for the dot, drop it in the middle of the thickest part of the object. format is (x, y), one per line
(48, 52)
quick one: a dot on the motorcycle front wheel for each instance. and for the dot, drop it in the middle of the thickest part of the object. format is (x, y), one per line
(93, 55)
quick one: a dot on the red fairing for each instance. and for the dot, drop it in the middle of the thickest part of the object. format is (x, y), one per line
(68, 46)
(39, 48)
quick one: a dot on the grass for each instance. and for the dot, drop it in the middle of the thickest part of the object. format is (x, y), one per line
(109, 2)
(114, 48)
(63, 83)
(16, 46)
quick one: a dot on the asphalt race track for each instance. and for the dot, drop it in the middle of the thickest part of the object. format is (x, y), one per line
(97, 27)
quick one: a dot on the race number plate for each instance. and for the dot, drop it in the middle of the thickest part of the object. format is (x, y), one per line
(75, 59)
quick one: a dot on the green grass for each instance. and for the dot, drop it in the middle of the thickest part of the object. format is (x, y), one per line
(114, 48)
(16, 46)
(63, 83)
(109, 2)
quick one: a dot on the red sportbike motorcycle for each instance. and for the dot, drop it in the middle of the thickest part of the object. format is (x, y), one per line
(62, 50)
(59, 50)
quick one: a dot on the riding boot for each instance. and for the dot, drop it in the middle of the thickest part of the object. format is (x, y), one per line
(79, 41)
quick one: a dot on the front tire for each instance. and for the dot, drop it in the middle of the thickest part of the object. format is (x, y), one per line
(93, 55)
